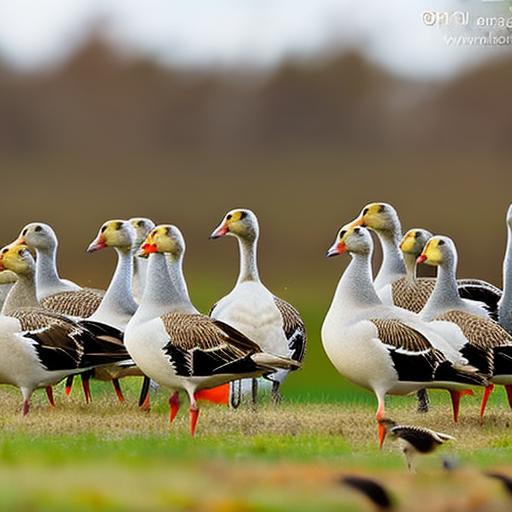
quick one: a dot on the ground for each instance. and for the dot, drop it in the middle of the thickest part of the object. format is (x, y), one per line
(111, 457)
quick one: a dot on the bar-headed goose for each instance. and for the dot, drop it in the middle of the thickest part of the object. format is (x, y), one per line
(489, 345)
(175, 345)
(375, 345)
(142, 228)
(40, 348)
(250, 307)
(56, 294)
(383, 219)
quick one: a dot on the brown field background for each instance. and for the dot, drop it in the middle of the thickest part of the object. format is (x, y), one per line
(305, 146)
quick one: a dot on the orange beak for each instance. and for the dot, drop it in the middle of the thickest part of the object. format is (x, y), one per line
(336, 249)
(98, 244)
(358, 222)
(421, 259)
(222, 230)
(147, 249)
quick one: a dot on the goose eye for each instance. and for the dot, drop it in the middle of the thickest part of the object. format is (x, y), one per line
(441, 242)
(103, 229)
(38, 228)
(24, 232)
(229, 217)
(342, 233)
(140, 223)
(4, 250)
(365, 211)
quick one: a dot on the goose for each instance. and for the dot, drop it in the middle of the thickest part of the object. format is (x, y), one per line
(275, 325)
(380, 347)
(40, 348)
(489, 345)
(175, 345)
(142, 228)
(56, 294)
(383, 219)
(414, 440)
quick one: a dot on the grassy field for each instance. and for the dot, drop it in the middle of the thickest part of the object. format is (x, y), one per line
(112, 457)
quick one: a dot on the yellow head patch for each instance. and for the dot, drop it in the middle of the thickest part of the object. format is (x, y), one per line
(409, 245)
(433, 255)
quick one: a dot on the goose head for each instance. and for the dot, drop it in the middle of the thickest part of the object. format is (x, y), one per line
(38, 236)
(17, 258)
(142, 227)
(379, 217)
(119, 234)
(352, 239)
(240, 222)
(439, 251)
(165, 239)
(414, 241)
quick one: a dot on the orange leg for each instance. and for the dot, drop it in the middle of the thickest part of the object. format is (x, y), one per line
(456, 396)
(26, 407)
(49, 394)
(487, 391)
(117, 388)
(508, 389)
(380, 415)
(174, 404)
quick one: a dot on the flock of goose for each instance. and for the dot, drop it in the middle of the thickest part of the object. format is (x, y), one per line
(400, 334)
(395, 334)
(144, 324)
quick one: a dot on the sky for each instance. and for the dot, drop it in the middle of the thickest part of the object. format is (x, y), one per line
(393, 33)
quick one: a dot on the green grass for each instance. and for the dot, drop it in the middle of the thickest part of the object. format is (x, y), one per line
(111, 457)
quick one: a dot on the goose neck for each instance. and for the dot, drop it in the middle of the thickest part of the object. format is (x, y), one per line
(21, 295)
(166, 290)
(505, 304)
(392, 267)
(445, 295)
(410, 268)
(248, 260)
(118, 297)
(47, 276)
(355, 289)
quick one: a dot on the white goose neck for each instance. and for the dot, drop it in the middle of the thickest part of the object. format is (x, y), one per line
(355, 289)
(410, 268)
(118, 299)
(162, 294)
(248, 260)
(445, 295)
(140, 268)
(505, 304)
(48, 280)
(392, 267)
(21, 295)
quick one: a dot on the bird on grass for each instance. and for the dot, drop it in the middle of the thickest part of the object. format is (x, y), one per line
(371, 489)
(414, 440)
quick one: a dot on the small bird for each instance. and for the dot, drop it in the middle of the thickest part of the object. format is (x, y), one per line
(372, 489)
(414, 440)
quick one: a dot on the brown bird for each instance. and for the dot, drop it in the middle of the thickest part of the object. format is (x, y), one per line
(414, 440)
